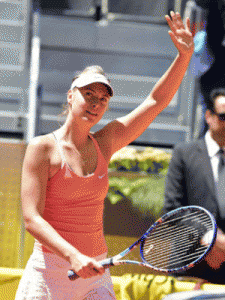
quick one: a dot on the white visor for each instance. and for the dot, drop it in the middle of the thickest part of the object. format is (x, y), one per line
(89, 78)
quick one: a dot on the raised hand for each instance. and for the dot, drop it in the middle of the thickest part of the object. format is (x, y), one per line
(180, 35)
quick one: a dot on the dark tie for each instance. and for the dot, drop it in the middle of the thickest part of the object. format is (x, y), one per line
(221, 184)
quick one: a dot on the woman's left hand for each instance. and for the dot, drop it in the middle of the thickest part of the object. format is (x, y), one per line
(216, 257)
(180, 35)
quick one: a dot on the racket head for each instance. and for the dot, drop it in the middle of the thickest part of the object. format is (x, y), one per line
(179, 239)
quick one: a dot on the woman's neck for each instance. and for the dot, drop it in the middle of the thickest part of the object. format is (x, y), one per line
(75, 134)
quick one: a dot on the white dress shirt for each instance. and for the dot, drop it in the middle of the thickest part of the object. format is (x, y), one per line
(213, 149)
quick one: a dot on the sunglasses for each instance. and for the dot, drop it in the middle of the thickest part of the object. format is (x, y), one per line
(220, 116)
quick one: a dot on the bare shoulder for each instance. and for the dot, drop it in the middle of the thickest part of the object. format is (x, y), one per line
(40, 147)
(104, 138)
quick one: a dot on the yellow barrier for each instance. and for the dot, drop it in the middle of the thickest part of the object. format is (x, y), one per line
(127, 287)
(15, 250)
(9, 280)
(11, 156)
(152, 287)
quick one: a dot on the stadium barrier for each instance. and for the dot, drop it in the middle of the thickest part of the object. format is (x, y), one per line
(127, 287)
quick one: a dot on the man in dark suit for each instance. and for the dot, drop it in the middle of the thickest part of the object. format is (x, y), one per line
(192, 180)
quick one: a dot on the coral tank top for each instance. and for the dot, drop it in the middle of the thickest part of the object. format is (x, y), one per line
(74, 205)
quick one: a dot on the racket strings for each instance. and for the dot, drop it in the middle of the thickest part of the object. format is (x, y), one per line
(181, 243)
(191, 216)
(181, 235)
(163, 260)
(171, 232)
(177, 241)
(176, 261)
(162, 231)
(179, 246)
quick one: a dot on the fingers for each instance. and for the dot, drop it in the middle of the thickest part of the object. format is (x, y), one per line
(93, 268)
(214, 261)
(175, 22)
(188, 24)
(215, 258)
(180, 35)
(173, 37)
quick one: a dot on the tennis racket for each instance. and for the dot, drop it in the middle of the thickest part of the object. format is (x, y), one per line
(175, 242)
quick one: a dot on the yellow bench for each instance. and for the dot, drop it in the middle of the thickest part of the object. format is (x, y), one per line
(127, 287)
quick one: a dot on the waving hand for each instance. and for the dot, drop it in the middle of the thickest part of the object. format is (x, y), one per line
(180, 35)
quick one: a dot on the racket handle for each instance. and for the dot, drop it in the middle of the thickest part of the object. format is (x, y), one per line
(106, 264)
(72, 275)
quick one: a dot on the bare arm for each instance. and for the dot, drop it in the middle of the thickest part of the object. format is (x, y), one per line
(126, 129)
(33, 192)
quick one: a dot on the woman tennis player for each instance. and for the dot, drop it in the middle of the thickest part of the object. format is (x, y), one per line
(65, 181)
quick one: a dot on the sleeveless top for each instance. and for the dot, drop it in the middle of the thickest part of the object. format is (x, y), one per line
(74, 205)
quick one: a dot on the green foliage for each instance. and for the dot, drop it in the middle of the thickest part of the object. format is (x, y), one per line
(149, 198)
(125, 186)
(149, 160)
(145, 192)
(133, 205)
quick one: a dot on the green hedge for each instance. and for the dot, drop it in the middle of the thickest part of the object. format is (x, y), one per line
(149, 160)
(136, 190)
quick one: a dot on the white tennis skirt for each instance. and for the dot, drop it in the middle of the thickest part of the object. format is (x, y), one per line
(45, 277)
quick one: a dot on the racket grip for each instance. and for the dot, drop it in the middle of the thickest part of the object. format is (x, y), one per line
(106, 264)
(72, 275)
